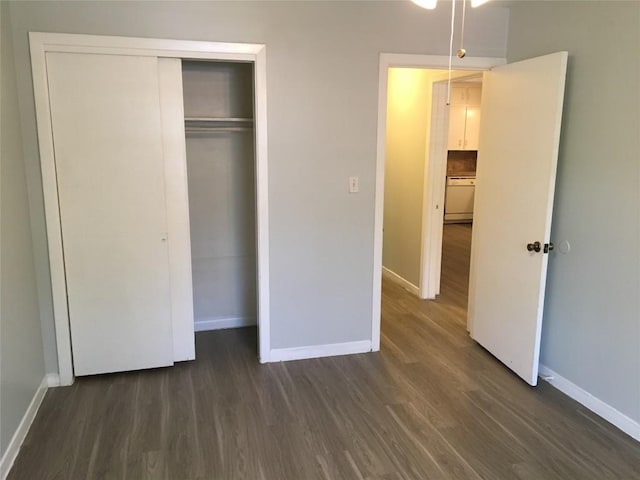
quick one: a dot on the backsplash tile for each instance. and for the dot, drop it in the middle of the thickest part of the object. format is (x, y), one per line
(461, 162)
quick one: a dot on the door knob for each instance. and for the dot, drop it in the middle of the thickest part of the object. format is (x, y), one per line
(534, 247)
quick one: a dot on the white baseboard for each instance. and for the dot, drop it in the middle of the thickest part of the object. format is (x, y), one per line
(317, 351)
(395, 278)
(52, 379)
(597, 406)
(20, 434)
(205, 324)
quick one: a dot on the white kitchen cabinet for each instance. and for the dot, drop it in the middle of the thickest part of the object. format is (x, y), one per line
(463, 94)
(457, 123)
(464, 118)
(474, 96)
(472, 128)
(458, 95)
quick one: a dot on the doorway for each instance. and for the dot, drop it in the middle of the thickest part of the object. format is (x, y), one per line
(426, 141)
(428, 164)
(504, 313)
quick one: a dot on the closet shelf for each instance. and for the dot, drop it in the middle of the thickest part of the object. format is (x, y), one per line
(227, 124)
(218, 119)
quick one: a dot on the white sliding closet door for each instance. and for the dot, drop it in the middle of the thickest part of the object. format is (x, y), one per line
(108, 146)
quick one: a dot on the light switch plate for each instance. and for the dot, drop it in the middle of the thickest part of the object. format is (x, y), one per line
(354, 184)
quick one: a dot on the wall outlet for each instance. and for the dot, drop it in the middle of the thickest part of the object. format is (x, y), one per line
(354, 184)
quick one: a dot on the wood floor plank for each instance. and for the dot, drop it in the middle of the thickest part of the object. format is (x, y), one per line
(431, 405)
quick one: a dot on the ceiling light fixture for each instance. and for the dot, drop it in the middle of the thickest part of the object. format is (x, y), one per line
(461, 53)
(428, 4)
(431, 4)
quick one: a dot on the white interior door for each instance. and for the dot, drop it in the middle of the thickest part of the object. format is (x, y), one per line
(518, 152)
(107, 136)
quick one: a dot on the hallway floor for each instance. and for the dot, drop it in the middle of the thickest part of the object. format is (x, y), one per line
(431, 405)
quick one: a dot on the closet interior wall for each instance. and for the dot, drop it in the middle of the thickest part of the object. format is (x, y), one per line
(218, 105)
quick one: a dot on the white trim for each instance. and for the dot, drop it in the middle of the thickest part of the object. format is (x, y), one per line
(52, 214)
(388, 60)
(597, 406)
(403, 282)
(53, 380)
(40, 43)
(262, 205)
(155, 47)
(433, 204)
(378, 213)
(13, 448)
(439, 62)
(318, 351)
(206, 324)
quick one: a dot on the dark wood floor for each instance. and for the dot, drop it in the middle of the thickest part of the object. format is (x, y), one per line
(431, 405)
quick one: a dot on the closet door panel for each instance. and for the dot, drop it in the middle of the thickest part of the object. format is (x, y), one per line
(109, 159)
(175, 169)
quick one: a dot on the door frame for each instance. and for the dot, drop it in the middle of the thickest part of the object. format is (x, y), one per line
(40, 44)
(434, 191)
(429, 216)
(434, 194)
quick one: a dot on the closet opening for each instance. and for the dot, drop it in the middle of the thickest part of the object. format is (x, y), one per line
(221, 171)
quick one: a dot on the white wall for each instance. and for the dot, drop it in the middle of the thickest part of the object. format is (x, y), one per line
(591, 327)
(322, 68)
(21, 357)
